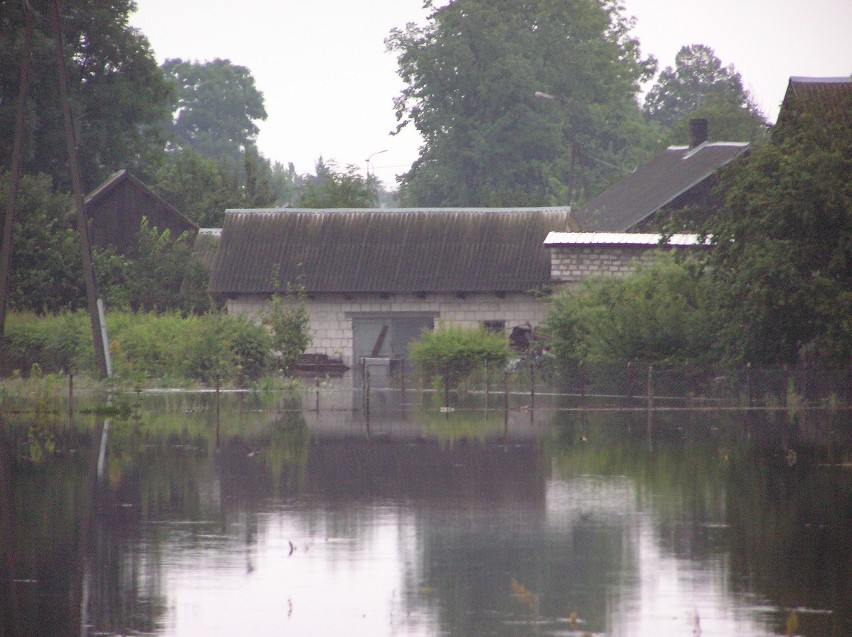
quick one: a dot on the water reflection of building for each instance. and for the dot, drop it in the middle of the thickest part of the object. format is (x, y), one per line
(429, 526)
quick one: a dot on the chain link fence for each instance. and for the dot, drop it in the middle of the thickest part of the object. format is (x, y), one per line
(638, 385)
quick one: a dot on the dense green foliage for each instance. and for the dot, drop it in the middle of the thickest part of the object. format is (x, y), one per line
(782, 244)
(453, 353)
(145, 346)
(118, 94)
(47, 272)
(335, 188)
(202, 188)
(163, 274)
(471, 75)
(660, 314)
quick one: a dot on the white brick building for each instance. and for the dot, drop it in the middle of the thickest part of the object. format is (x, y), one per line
(575, 256)
(374, 279)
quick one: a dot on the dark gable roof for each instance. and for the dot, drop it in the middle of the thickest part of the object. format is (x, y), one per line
(822, 96)
(655, 184)
(392, 251)
(115, 210)
(122, 178)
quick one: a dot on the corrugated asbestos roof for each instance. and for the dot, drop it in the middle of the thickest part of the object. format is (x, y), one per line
(617, 238)
(655, 184)
(393, 251)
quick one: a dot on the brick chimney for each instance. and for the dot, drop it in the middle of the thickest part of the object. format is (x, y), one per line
(697, 132)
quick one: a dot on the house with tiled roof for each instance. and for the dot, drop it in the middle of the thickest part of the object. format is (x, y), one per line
(677, 178)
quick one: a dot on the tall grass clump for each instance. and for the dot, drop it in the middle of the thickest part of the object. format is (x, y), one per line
(54, 343)
(163, 347)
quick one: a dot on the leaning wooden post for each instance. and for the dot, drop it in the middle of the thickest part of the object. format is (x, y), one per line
(95, 303)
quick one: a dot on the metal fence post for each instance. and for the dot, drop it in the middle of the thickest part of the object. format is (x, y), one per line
(70, 393)
(317, 391)
(532, 384)
(650, 387)
(506, 391)
(630, 380)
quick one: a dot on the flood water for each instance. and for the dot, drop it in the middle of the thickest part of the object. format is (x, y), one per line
(270, 518)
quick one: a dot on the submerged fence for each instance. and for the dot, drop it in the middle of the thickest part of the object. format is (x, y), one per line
(628, 384)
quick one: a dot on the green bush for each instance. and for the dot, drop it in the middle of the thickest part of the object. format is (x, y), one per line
(453, 353)
(663, 313)
(289, 327)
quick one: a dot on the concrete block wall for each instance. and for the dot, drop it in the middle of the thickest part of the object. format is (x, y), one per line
(331, 314)
(573, 263)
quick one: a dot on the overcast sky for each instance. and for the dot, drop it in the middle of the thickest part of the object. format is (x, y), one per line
(328, 82)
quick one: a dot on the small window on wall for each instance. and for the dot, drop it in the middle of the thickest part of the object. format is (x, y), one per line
(494, 326)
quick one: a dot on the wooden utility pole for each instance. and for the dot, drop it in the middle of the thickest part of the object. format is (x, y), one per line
(95, 304)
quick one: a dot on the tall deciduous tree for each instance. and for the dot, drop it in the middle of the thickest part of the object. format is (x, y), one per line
(335, 188)
(784, 240)
(217, 107)
(699, 86)
(118, 94)
(471, 74)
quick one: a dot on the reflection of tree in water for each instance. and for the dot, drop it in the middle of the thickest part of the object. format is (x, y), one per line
(47, 501)
(154, 472)
(724, 485)
(285, 453)
(791, 531)
(38, 534)
(470, 571)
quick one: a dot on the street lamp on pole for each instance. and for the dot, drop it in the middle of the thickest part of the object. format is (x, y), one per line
(367, 161)
(577, 154)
